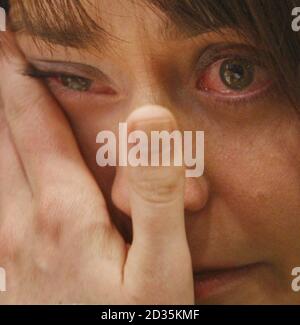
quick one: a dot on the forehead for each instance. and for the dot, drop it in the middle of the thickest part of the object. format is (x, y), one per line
(78, 23)
(124, 19)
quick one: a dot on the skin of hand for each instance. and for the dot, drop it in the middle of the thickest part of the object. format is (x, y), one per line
(57, 242)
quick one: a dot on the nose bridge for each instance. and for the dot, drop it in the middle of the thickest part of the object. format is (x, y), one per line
(150, 82)
(151, 91)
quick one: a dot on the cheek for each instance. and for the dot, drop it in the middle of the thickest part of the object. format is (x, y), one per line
(88, 118)
(86, 123)
(258, 178)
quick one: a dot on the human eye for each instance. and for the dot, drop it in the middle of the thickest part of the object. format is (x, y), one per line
(233, 75)
(69, 83)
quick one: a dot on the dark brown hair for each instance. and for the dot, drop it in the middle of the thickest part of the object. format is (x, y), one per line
(266, 23)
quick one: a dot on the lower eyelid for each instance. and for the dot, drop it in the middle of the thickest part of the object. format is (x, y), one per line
(210, 82)
(244, 98)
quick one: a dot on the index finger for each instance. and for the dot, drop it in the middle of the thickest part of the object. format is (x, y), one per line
(42, 134)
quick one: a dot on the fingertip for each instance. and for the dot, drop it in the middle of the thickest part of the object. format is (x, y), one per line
(151, 114)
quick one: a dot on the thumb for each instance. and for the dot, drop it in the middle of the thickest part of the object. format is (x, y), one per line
(159, 256)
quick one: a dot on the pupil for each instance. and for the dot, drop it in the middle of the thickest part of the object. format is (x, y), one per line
(237, 74)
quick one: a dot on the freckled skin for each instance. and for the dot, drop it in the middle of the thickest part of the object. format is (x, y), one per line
(246, 207)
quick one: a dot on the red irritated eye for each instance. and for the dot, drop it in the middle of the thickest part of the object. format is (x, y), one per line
(233, 78)
(79, 84)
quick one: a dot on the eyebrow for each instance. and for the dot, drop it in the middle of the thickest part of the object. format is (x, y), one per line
(64, 24)
(71, 36)
(174, 31)
(81, 37)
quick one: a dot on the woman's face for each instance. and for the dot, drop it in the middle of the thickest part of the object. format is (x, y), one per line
(243, 215)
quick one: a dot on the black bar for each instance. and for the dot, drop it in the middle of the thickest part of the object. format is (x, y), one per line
(200, 314)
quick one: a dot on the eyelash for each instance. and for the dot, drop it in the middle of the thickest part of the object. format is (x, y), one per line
(47, 75)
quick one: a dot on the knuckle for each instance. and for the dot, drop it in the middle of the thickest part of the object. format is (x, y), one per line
(51, 213)
(158, 189)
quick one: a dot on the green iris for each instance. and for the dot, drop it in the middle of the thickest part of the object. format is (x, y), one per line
(237, 74)
(76, 83)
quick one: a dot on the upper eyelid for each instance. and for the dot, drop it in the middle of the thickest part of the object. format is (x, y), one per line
(69, 69)
(33, 71)
(219, 51)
